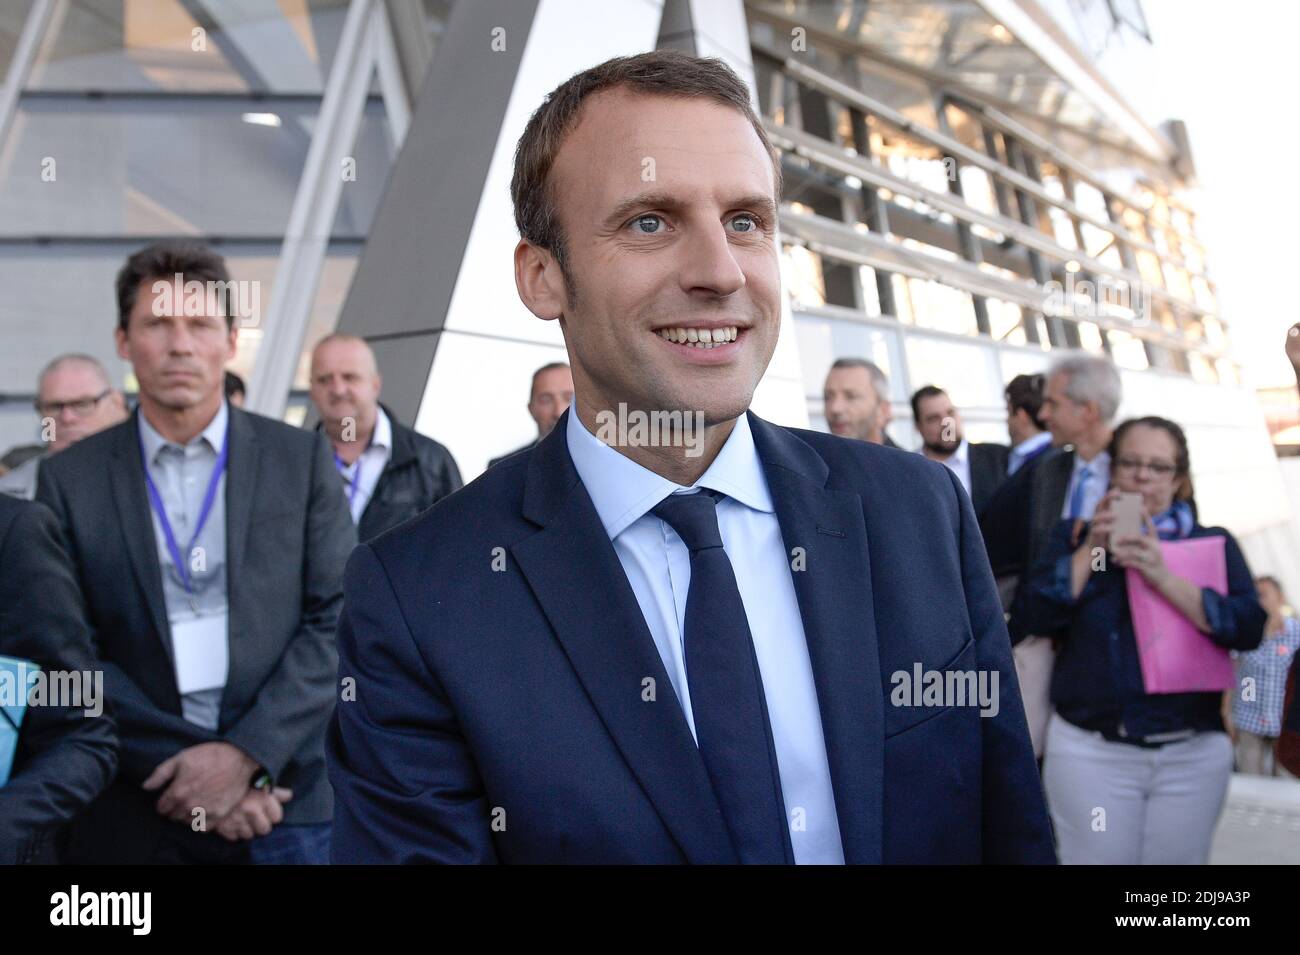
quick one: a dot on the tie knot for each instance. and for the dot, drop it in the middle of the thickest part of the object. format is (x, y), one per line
(694, 517)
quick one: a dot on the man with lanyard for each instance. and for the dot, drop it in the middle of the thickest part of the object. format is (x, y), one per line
(210, 546)
(390, 472)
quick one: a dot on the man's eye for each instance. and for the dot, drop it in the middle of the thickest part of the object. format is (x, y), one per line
(754, 223)
(645, 225)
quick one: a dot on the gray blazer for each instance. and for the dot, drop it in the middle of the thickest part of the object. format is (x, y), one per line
(288, 536)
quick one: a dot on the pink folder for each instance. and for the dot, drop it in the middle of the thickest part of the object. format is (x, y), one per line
(1176, 657)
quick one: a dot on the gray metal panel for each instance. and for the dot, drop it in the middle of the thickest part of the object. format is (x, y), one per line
(404, 361)
(408, 270)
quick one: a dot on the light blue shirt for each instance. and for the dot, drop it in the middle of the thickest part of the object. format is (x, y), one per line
(1024, 449)
(658, 566)
(1095, 488)
(182, 474)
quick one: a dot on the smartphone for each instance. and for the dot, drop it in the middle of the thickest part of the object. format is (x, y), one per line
(1127, 508)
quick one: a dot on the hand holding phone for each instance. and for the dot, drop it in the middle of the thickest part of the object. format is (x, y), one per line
(1127, 511)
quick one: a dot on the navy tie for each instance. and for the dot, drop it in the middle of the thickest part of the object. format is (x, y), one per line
(726, 689)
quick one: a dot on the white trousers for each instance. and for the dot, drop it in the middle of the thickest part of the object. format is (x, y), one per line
(1119, 804)
(1035, 658)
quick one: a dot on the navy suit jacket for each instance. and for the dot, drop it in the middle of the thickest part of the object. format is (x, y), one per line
(498, 656)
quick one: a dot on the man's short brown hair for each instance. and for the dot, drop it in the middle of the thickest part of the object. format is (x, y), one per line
(657, 73)
(189, 258)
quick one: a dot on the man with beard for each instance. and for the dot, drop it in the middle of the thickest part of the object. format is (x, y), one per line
(979, 467)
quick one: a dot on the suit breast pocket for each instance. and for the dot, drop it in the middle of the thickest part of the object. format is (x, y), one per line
(923, 691)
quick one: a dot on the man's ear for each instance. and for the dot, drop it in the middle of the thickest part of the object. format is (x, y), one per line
(538, 281)
(119, 337)
(1094, 411)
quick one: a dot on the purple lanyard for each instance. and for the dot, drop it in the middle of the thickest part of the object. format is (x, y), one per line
(209, 497)
(356, 475)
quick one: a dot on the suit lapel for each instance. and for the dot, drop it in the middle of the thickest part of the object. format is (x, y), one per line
(132, 500)
(576, 576)
(979, 474)
(240, 491)
(835, 600)
(1053, 486)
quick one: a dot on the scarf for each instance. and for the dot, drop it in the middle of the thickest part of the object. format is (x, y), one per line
(1175, 523)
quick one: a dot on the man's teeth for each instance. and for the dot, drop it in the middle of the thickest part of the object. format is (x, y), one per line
(700, 337)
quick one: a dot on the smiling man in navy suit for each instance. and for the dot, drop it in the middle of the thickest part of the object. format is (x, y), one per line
(672, 631)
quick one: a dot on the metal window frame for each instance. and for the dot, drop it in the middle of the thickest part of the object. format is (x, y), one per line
(848, 95)
(30, 39)
(315, 206)
(828, 156)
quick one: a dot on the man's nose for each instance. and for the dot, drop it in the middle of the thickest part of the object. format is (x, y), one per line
(711, 263)
(181, 342)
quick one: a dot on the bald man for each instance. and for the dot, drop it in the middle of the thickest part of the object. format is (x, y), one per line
(390, 472)
(75, 399)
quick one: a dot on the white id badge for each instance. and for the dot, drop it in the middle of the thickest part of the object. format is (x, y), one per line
(201, 651)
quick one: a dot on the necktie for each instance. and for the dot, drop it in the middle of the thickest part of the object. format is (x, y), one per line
(726, 689)
(1076, 499)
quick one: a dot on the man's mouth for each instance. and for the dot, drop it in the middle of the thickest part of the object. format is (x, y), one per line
(701, 338)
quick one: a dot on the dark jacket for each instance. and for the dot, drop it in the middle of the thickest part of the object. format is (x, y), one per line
(65, 757)
(988, 469)
(288, 535)
(1017, 523)
(510, 454)
(1097, 682)
(420, 472)
(513, 683)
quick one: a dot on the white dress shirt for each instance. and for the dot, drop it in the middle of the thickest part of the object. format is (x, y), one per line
(658, 566)
(959, 464)
(1094, 490)
(371, 464)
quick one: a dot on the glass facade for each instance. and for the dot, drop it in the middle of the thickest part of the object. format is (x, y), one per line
(138, 119)
(954, 208)
(917, 207)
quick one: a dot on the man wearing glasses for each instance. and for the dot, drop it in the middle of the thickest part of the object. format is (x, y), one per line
(74, 400)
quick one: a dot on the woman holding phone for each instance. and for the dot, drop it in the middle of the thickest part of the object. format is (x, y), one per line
(1133, 777)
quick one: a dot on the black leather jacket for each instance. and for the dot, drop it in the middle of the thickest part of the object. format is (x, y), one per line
(420, 472)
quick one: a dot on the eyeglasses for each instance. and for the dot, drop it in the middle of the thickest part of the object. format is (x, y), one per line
(1132, 465)
(79, 406)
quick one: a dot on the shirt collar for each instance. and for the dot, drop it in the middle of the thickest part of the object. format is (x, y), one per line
(214, 434)
(623, 491)
(1032, 444)
(962, 453)
(1100, 464)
